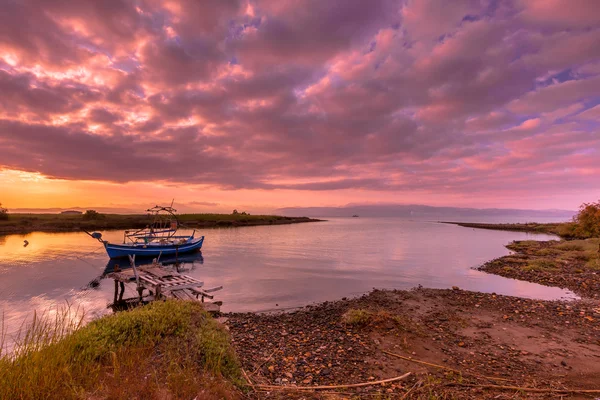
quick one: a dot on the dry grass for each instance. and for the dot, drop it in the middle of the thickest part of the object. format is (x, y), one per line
(379, 319)
(541, 265)
(551, 258)
(357, 317)
(167, 349)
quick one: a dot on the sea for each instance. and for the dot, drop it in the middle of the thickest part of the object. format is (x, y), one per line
(266, 268)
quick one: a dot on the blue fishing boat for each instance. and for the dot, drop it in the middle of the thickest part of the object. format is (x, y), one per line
(155, 240)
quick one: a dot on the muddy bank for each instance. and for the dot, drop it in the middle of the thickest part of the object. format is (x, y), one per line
(573, 265)
(26, 223)
(555, 228)
(511, 341)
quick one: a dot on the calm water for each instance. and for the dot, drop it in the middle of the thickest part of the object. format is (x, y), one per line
(270, 267)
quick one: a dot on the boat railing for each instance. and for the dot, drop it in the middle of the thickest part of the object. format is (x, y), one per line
(149, 233)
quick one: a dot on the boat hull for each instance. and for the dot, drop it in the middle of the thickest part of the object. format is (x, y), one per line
(141, 250)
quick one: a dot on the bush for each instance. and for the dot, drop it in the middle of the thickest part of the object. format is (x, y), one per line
(3, 213)
(357, 317)
(92, 214)
(587, 220)
(170, 349)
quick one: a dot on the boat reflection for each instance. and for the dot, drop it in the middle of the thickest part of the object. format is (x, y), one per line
(181, 263)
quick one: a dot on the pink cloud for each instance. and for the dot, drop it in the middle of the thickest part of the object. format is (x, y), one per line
(327, 96)
(559, 14)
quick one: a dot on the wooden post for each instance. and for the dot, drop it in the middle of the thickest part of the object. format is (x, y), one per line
(122, 291)
(116, 290)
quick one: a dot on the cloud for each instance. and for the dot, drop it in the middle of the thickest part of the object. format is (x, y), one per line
(327, 96)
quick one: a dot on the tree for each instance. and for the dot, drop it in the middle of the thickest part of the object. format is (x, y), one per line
(92, 214)
(3, 213)
(235, 212)
(587, 220)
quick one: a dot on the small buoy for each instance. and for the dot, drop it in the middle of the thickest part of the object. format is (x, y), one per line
(25, 243)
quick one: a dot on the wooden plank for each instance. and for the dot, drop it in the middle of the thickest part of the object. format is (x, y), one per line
(121, 277)
(183, 295)
(179, 287)
(202, 293)
(211, 307)
(190, 278)
(215, 289)
(158, 272)
(149, 280)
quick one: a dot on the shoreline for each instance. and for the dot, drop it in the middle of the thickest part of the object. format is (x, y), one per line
(573, 265)
(30, 223)
(550, 228)
(447, 338)
(455, 343)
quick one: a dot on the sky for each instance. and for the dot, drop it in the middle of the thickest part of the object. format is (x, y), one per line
(257, 105)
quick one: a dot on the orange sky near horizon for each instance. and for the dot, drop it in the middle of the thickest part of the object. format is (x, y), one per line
(26, 190)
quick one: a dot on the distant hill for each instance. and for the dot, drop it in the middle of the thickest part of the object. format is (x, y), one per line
(422, 212)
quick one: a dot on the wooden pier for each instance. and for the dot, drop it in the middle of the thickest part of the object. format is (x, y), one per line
(162, 284)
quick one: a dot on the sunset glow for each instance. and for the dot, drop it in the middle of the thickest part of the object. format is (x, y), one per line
(259, 105)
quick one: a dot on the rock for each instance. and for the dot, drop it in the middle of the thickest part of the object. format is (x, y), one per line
(563, 363)
(455, 288)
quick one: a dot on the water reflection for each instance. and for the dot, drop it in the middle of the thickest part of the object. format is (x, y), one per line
(182, 262)
(266, 267)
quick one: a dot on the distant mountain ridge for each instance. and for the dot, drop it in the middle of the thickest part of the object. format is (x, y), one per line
(415, 211)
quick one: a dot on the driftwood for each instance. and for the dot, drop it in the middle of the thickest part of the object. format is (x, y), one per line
(247, 378)
(525, 389)
(443, 367)
(351, 385)
(499, 387)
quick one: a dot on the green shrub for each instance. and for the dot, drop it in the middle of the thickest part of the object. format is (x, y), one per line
(93, 214)
(132, 354)
(357, 317)
(3, 213)
(587, 220)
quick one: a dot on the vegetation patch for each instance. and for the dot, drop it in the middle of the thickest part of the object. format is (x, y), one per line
(165, 349)
(570, 264)
(357, 317)
(3, 213)
(92, 220)
(379, 320)
(541, 265)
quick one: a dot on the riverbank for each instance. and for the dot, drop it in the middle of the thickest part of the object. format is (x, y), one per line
(455, 343)
(573, 264)
(26, 223)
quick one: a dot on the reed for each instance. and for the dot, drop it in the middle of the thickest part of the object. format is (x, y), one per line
(166, 348)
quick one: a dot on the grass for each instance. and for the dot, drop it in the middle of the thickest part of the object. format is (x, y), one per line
(552, 255)
(378, 319)
(169, 349)
(358, 317)
(21, 223)
(541, 265)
